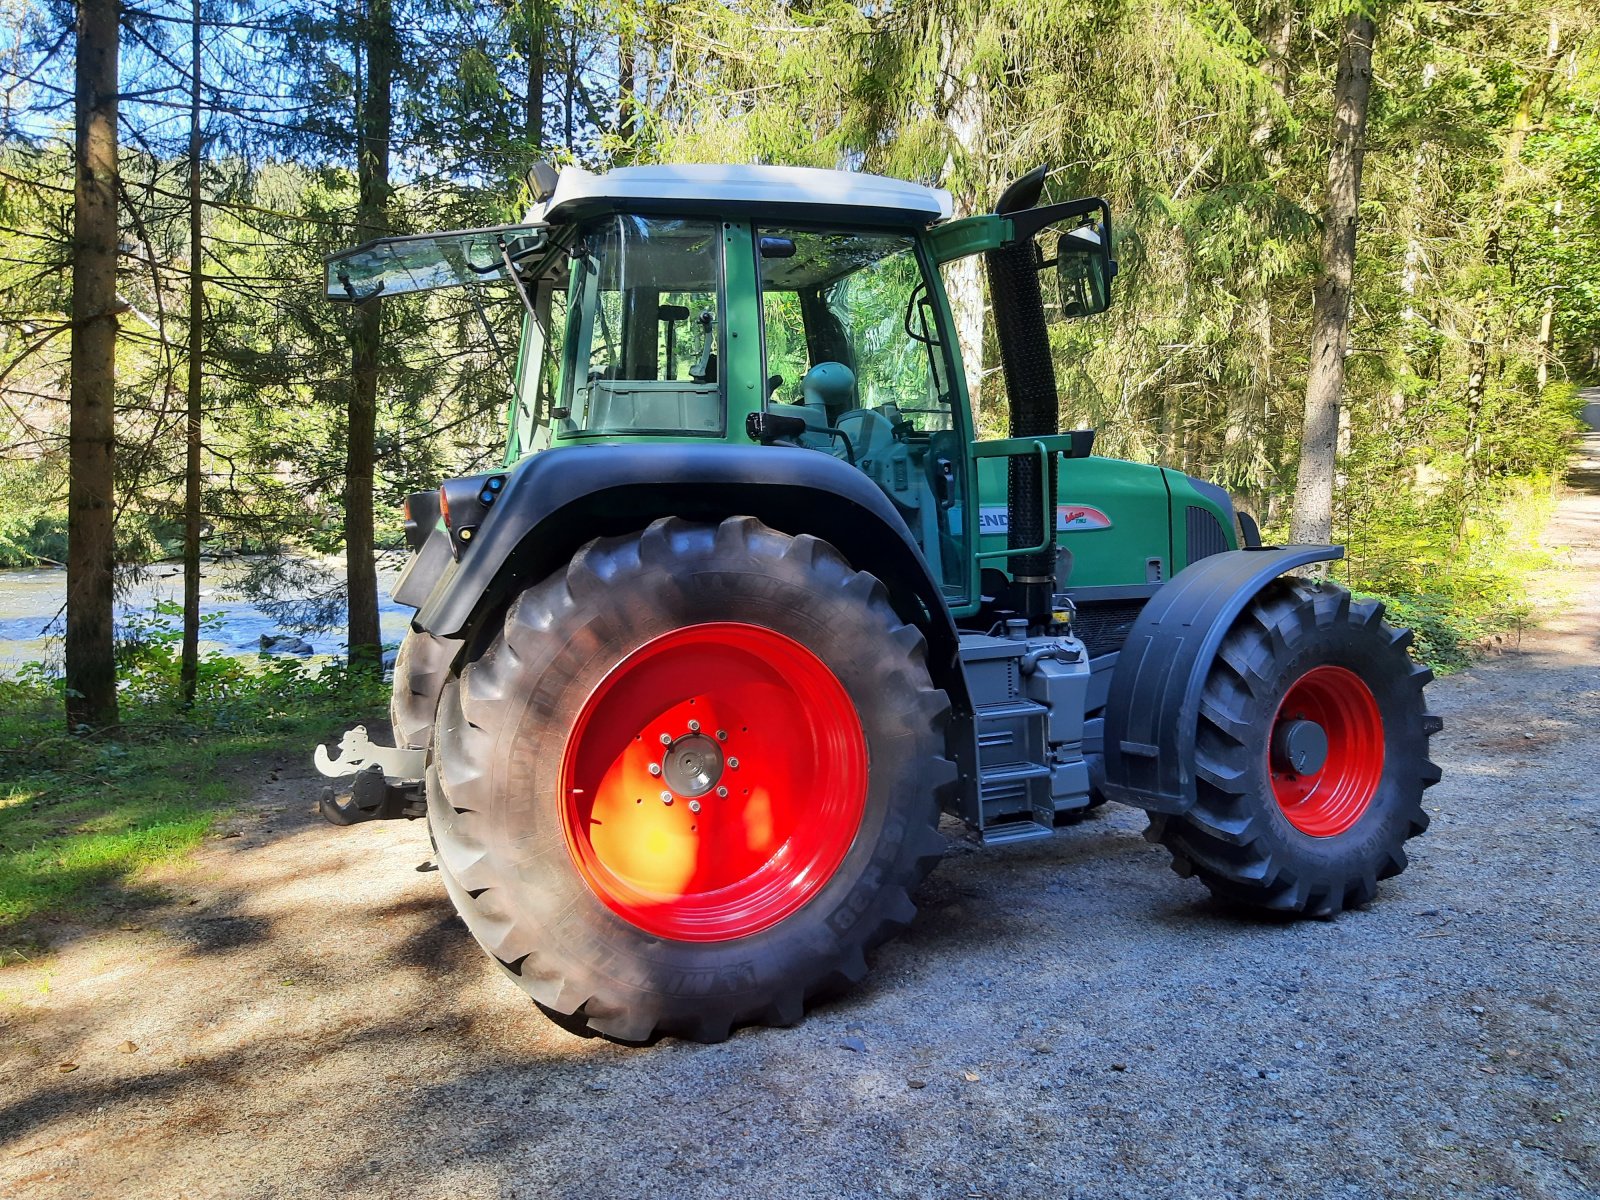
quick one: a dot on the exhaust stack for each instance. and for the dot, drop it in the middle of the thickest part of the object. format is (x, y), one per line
(1030, 375)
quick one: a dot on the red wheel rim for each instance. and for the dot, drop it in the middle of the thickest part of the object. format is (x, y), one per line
(760, 752)
(1326, 802)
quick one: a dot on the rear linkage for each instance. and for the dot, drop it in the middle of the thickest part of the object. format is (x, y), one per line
(385, 781)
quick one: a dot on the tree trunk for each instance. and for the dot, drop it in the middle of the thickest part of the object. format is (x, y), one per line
(189, 671)
(963, 101)
(627, 99)
(1511, 171)
(1312, 520)
(1277, 35)
(534, 111)
(91, 534)
(569, 92)
(372, 179)
(1547, 316)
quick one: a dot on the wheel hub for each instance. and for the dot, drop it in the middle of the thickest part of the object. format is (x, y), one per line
(1299, 747)
(692, 765)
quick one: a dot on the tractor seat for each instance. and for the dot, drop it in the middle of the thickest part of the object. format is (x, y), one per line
(830, 388)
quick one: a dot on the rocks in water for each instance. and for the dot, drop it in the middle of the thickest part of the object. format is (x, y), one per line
(285, 643)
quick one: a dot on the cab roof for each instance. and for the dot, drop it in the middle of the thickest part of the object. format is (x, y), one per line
(792, 193)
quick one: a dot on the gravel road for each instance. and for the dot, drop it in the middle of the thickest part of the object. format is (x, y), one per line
(1065, 1019)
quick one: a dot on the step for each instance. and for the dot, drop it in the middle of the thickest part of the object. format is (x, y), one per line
(1015, 831)
(1010, 708)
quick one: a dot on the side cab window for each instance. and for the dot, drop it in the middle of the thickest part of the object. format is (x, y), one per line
(855, 349)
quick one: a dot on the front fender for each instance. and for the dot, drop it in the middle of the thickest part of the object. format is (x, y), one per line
(1153, 710)
(555, 501)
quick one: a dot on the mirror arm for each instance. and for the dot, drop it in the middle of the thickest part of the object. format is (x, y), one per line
(350, 290)
(1029, 222)
(516, 278)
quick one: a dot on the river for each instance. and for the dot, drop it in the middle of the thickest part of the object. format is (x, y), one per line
(31, 601)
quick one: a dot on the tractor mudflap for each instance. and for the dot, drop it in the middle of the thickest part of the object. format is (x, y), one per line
(373, 797)
(385, 782)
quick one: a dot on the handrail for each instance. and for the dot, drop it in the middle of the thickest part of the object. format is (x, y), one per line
(1011, 448)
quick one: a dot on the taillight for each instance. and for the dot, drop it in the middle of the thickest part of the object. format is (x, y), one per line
(444, 507)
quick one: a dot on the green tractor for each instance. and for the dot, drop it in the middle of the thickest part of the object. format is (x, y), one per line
(695, 675)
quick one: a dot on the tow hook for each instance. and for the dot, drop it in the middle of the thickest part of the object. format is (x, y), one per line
(385, 782)
(372, 797)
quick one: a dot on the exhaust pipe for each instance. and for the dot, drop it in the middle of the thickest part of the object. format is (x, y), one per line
(1030, 374)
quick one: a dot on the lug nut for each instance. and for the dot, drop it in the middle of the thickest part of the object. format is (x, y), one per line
(722, 791)
(666, 739)
(694, 806)
(722, 735)
(694, 726)
(666, 797)
(655, 768)
(734, 763)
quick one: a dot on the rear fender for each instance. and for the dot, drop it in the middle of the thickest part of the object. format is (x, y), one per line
(1153, 709)
(555, 501)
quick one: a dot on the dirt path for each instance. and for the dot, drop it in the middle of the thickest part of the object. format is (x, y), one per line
(1065, 1019)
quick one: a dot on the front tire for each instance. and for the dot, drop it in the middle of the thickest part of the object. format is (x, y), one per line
(691, 782)
(1311, 756)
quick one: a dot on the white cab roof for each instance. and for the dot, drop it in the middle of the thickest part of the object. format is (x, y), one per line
(794, 191)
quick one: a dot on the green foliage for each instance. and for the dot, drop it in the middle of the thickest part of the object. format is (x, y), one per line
(1205, 122)
(33, 515)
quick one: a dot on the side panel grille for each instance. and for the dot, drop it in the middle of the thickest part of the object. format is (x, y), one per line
(1206, 535)
(1103, 626)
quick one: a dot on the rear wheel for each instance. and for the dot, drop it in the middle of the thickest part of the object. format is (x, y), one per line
(1311, 756)
(693, 779)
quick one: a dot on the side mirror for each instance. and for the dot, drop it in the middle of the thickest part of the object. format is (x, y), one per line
(1074, 239)
(1084, 270)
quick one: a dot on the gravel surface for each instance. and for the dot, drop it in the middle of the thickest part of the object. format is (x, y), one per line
(1065, 1019)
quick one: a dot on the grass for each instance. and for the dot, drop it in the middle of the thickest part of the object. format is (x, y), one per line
(82, 819)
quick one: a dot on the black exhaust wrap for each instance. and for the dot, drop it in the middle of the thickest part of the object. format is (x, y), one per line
(1015, 292)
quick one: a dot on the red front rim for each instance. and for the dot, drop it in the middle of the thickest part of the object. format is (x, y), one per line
(714, 782)
(1328, 801)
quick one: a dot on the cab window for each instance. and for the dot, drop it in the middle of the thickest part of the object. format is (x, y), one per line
(857, 301)
(643, 330)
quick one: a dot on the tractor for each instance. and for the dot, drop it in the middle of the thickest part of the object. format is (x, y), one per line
(748, 609)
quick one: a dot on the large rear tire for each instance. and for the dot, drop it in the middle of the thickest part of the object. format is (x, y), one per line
(1311, 756)
(693, 779)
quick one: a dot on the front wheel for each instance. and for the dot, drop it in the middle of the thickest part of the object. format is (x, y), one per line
(1311, 756)
(692, 780)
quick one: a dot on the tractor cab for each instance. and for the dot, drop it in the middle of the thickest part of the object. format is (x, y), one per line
(756, 305)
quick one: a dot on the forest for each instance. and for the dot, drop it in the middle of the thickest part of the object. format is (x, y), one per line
(1359, 245)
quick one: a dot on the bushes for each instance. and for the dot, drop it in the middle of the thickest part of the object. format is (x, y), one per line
(1461, 582)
